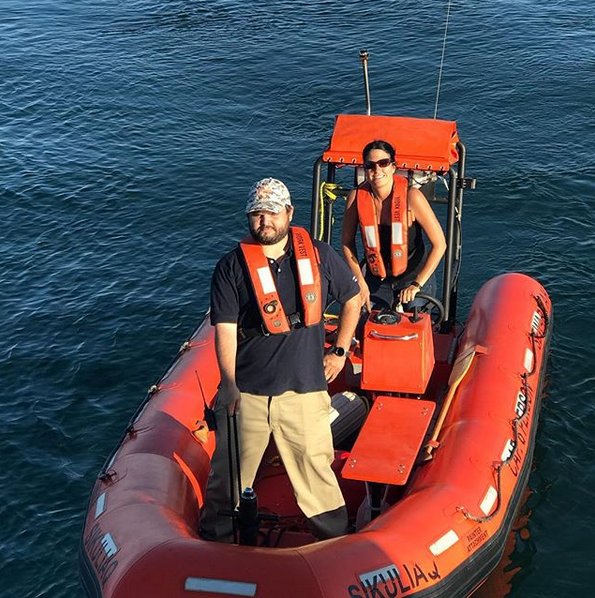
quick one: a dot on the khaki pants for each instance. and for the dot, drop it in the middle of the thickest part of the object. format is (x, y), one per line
(301, 429)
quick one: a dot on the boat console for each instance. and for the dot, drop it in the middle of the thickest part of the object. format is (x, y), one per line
(397, 352)
(391, 365)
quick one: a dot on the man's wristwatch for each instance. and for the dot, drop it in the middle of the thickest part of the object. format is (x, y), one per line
(339, 351)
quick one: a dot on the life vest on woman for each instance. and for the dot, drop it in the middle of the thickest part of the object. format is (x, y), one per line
(269, 303)
(368, 221)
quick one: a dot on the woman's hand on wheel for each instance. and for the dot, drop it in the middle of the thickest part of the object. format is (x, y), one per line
(408, 293)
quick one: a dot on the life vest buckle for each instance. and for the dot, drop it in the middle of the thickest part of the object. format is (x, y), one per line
(294, 319)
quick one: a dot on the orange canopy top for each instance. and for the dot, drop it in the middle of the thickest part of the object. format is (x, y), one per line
(420, 143)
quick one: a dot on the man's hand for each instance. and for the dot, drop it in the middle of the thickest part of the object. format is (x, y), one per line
(333, 364)
(229, 397)
(226, 344)
(348, 318)
(364, 294)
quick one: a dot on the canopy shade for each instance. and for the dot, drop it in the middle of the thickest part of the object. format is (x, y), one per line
(420, 143)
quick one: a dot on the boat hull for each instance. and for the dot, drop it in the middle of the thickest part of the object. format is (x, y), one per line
(441, 535)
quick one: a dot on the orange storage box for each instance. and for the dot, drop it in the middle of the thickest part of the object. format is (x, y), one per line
(399, 356)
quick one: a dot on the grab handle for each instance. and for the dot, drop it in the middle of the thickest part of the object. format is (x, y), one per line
(389, 337)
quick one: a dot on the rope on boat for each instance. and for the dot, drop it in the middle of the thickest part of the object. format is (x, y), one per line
(534, 336)
(526, 390)
(330, 192)
(546, 318)
(442, 60)
(107, 473)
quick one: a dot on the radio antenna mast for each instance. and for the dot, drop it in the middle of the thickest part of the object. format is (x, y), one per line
(364, 55)
(442, 60)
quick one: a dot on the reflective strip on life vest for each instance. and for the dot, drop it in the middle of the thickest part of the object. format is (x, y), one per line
(397, 233)
(267, 284)
(305, 271)
(371, 233)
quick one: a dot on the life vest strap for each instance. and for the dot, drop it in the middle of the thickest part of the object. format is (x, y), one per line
(294, 320)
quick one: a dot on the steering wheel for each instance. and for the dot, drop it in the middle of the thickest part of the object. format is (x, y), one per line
(431, 304)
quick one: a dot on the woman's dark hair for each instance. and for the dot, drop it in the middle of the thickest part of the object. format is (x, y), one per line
(379, 144)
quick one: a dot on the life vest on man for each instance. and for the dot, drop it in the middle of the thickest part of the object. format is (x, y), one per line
(368, 221)
(269, 303)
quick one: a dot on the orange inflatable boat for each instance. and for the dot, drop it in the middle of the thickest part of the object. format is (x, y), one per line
(434, 425)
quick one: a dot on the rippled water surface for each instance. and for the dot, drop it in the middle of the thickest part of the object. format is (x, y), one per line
(130, 133)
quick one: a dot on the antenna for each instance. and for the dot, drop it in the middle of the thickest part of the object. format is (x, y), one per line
(364, 55)
(442, 60)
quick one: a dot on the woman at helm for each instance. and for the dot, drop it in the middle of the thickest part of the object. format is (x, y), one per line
(391, 217)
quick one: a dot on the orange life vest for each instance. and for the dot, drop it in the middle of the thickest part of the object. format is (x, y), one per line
(368, 221)
(263, 284)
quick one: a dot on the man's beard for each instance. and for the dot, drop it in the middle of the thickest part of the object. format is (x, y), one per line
(269, 235)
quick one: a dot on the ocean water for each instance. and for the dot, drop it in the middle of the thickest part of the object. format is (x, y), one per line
(130, 132)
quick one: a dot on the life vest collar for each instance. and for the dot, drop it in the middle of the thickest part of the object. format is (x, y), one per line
(275, 320)
(368, 221)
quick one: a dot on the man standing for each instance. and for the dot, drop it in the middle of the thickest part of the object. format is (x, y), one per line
(267, 300)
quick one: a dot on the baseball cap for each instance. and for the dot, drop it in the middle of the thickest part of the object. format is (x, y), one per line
(268, 195)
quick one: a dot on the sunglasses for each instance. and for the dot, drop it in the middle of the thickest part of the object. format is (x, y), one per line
(371, 164)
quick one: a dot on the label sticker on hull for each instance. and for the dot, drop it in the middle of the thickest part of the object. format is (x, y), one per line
(389, 582)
